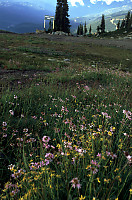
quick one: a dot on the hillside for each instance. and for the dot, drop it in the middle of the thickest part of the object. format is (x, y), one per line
(110, 21)
(21, 18)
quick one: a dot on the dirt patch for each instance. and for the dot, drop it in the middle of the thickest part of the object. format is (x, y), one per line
(120, 43)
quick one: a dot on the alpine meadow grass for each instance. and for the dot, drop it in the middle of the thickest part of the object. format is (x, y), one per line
(65, 131)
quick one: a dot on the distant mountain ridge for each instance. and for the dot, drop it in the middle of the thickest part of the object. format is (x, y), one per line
(12, 15)
(111, 21)
(22, 18)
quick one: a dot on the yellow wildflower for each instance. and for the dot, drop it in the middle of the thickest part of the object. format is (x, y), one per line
(58, 176)
(88, 166)
(109, 133)
(81, 198)
(98, 180)
(130, 191)
(116, 170)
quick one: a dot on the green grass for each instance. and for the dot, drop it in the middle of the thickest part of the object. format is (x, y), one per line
(84, 107)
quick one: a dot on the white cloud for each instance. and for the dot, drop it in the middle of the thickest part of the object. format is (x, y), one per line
(108, 2)
(73, 2)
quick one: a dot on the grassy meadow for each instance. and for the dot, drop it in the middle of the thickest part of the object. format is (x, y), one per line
(65, 122)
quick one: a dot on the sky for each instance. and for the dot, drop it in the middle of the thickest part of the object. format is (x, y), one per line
(78, 8)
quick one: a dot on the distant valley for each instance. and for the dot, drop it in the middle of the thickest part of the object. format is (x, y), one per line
(23, 18)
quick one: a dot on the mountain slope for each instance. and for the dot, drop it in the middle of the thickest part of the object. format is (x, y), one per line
(15, 14)
(110, 21)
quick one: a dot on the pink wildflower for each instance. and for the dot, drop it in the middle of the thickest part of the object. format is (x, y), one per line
(11, 112)
(75, 183)
(46, 139)
(4, 124)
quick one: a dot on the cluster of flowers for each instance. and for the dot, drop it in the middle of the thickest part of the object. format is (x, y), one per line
(128, 114)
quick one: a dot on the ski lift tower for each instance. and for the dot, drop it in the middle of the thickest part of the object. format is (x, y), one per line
(47, 17)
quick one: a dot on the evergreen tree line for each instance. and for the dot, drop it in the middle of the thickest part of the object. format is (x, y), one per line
(100, 28)
(126, 23)
(82, 30)
(62, 22)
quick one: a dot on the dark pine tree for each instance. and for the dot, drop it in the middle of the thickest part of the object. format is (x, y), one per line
(131, 20)
(65, 17)
(62, 22)
(78, 30)
(128, 21)
(123, 24)
(102, 26)
(90, 29)
(98, 30)
(58, 16)
(118, 25)
(85, 29)
(81, 29)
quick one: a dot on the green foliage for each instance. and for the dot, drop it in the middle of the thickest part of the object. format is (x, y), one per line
(126, 23)
(102, 26)
(62, 22)
(85, 117)
(85, 28)
(80, 30)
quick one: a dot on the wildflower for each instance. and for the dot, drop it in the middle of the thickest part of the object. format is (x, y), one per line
(106, 180)
(49, 157)
(25, 130)
(99, 155)
(46, 139)
(129, 158)
(4, 124)
(15, 97)
(130, 191)
(98, 180)
(75, 183)
(125, 134)
(110, 133)
(81, 198)
(34, 117)
(106, 115)
(128, 114)
(11, 167)
(11, 112)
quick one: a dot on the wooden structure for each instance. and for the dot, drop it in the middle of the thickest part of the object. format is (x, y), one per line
(47, 17)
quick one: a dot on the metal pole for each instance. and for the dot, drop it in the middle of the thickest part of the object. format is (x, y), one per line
(44, 24)
(53, 24)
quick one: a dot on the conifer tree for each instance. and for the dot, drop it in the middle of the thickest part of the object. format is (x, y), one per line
(102, 26)
(78, 30)
(58, 16)
(131, 20)
(65, 19)
(128, 21)
(118, 25)
(98, 30)
(90, 29)
(123, 24)
(81, 29)
(62, 22)
(85, 28)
